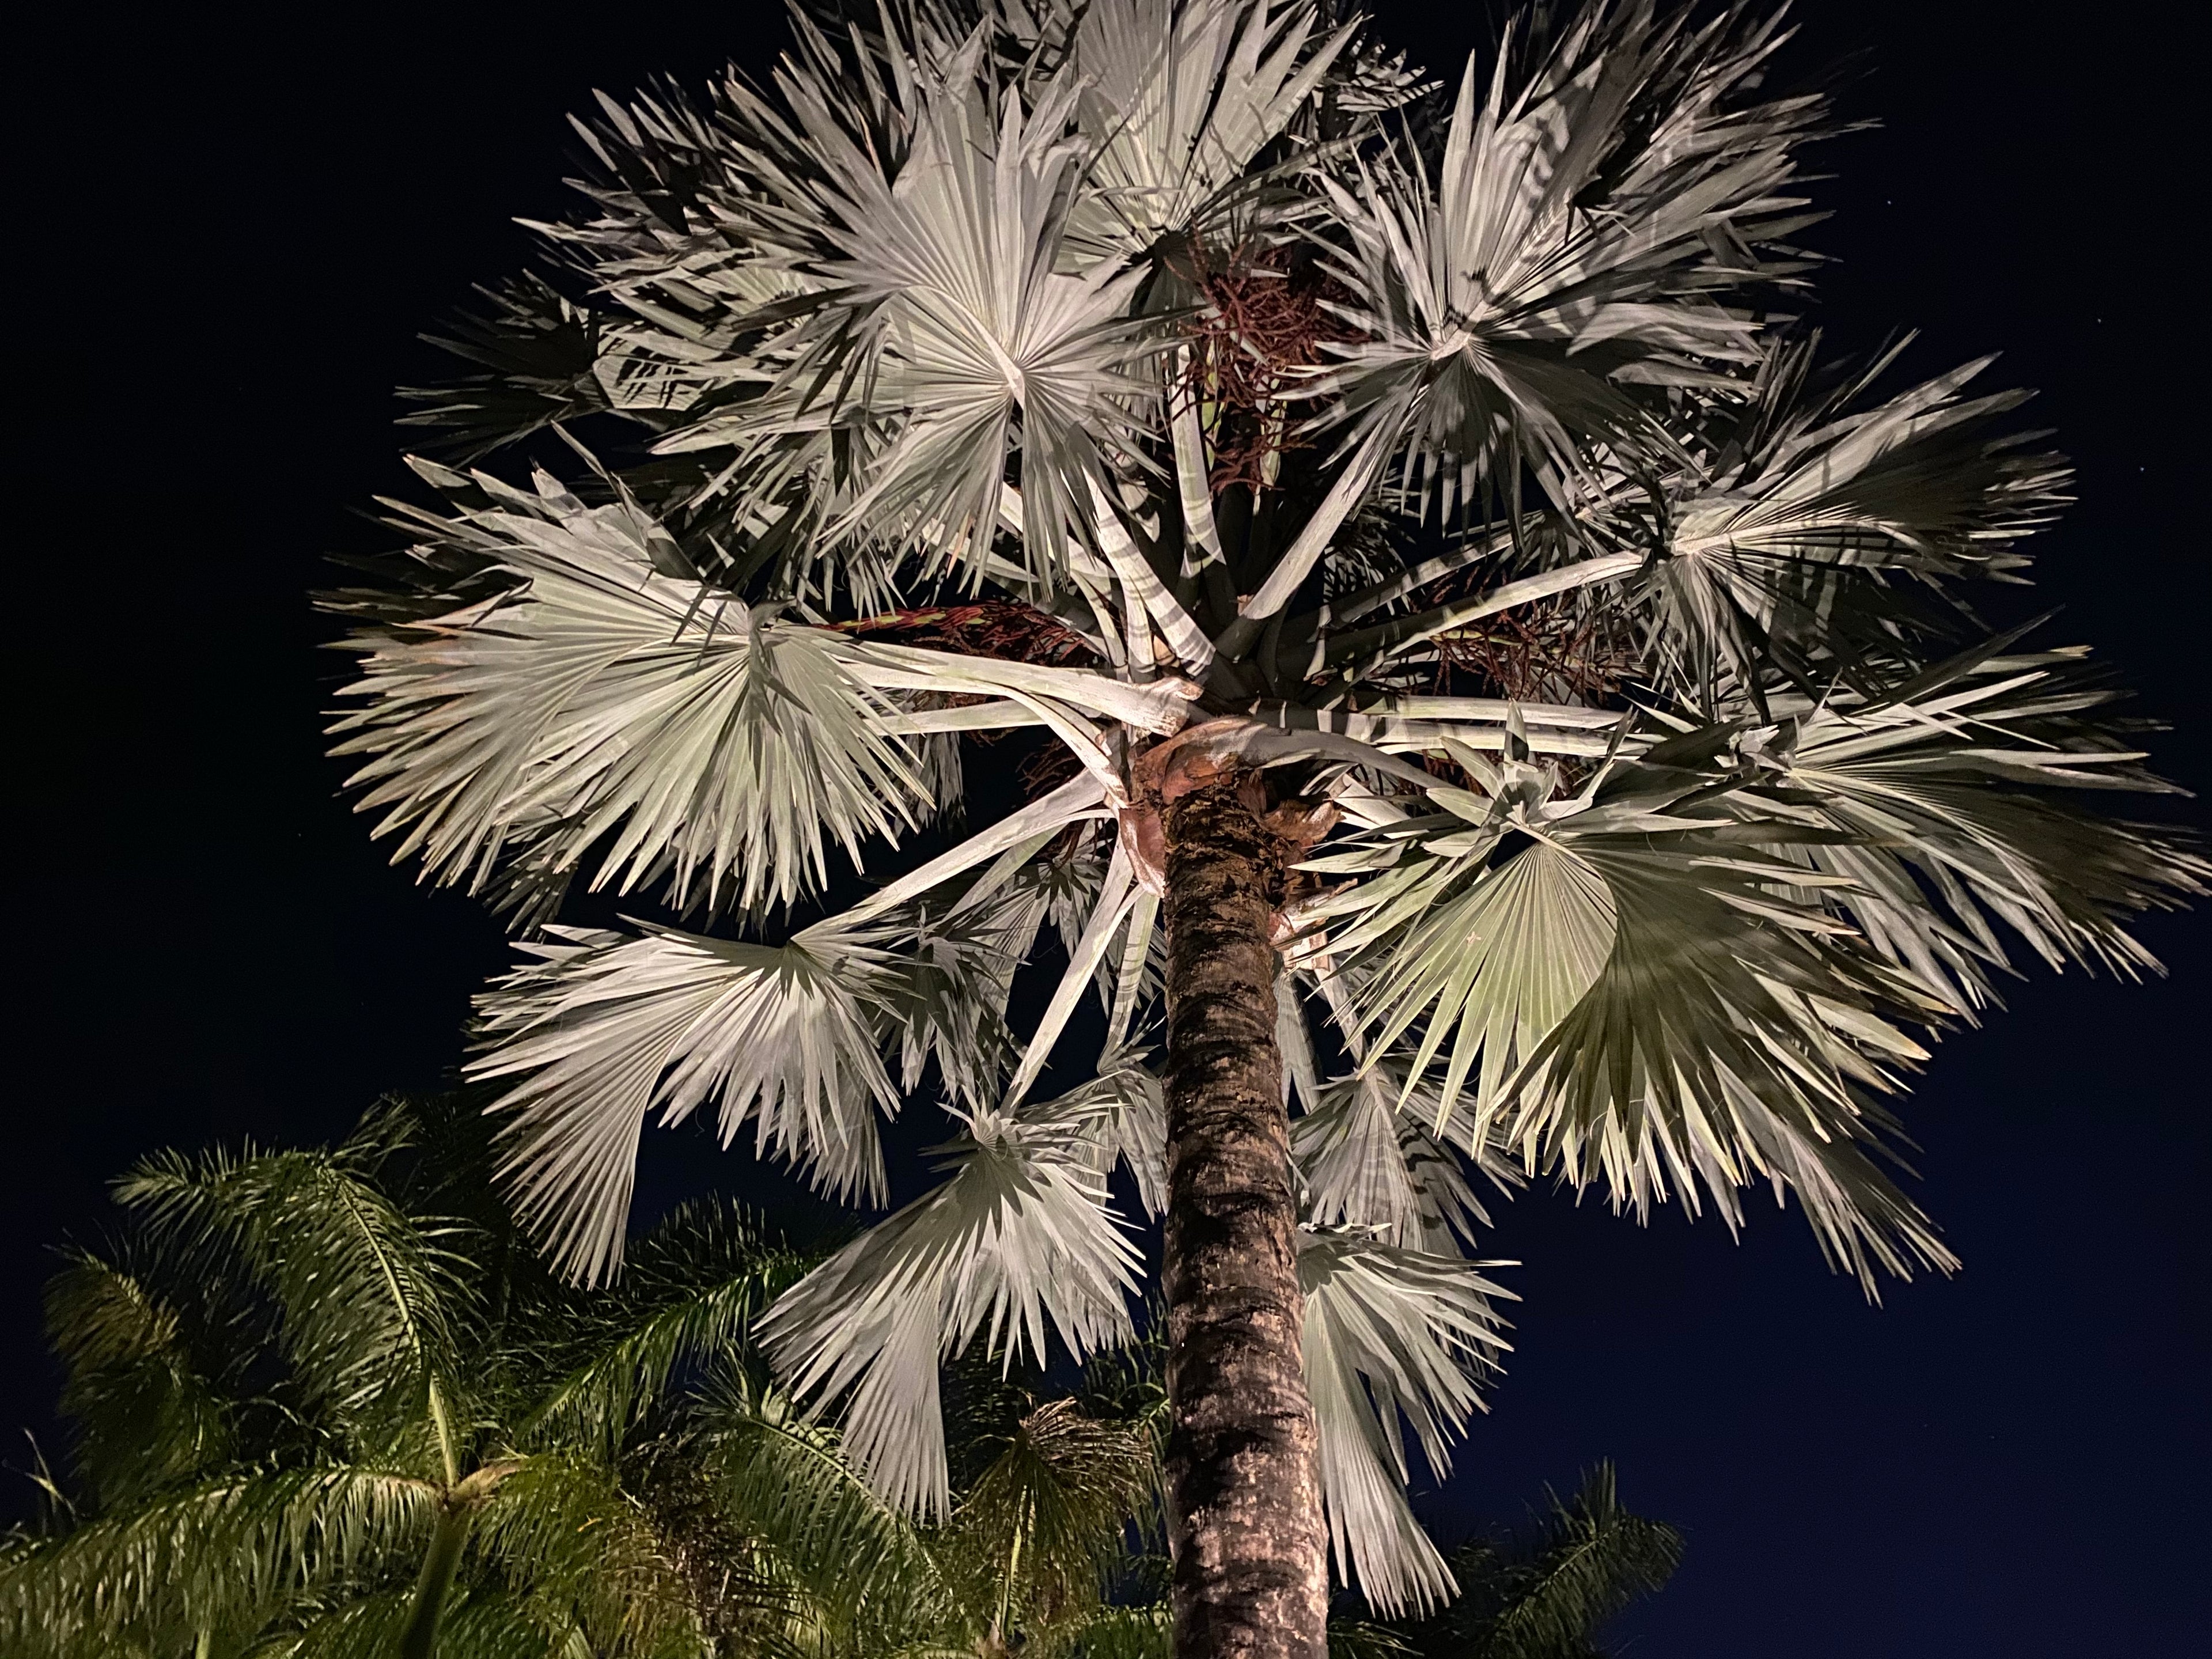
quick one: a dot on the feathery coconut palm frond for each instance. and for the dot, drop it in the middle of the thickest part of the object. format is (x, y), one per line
(368, 1298)
(228, 1550)
(1545, 1593)
(1046, 1520)
(1023, 1230)
(870, 1570)
(564, 1524)
(692, 1290)
(1390, 1333)
(145, 1414)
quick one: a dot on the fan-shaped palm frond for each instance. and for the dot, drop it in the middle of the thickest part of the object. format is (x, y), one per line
(1948, 792)
(602, 693)
(604, 1026)
(943, 313)
(1369, 1160)
(1715, 1029)
(1023, 1230)
(1120, 1117)
(1389, 1331)
(1176, 100)
(538, 356)
(1093, 369)
(1585, 211)
(1800, 498)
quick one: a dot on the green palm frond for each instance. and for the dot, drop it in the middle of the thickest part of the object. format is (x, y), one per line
(486, 1625)
(222, 1555)
(863, 1561)
(370, 1299)
(589, 1550)
(146, 1416)
(1120, 1633)
(1043, 1524)
(1546, 1596)
(690, 1290)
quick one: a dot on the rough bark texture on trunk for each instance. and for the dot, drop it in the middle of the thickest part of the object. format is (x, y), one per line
(1251, 1569)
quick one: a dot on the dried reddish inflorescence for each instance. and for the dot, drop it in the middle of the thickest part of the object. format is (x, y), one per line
(991, 628)
(1551, 651)
(1264, 322)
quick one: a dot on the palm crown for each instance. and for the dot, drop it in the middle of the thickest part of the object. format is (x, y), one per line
(1199, 384)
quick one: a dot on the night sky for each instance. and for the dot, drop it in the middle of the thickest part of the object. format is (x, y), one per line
(228, 231)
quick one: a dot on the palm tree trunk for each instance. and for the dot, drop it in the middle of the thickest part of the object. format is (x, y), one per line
(1251, 1573)
(434, 1586)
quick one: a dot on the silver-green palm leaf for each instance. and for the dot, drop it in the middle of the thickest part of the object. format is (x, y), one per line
(1124, 392)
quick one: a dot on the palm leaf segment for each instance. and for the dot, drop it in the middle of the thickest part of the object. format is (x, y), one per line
(1668, 828)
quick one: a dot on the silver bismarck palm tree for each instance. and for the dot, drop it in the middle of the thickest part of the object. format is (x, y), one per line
(1506, 695)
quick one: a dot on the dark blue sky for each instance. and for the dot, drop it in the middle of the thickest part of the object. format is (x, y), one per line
(227, 230)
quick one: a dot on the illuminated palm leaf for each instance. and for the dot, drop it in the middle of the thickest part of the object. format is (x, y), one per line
(1023, 1231)
(1567, 248)
(602, 1028)
(1665, 843)
(1178, 100)
(1952, 800)
(1772, 539)
(1369, 1163)
(1391, 1334)
(944, 310)
(599, 696)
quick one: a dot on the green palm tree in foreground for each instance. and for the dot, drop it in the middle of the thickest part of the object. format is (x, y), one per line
(1503, 693)
(317, 1415)
(313, 1416)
